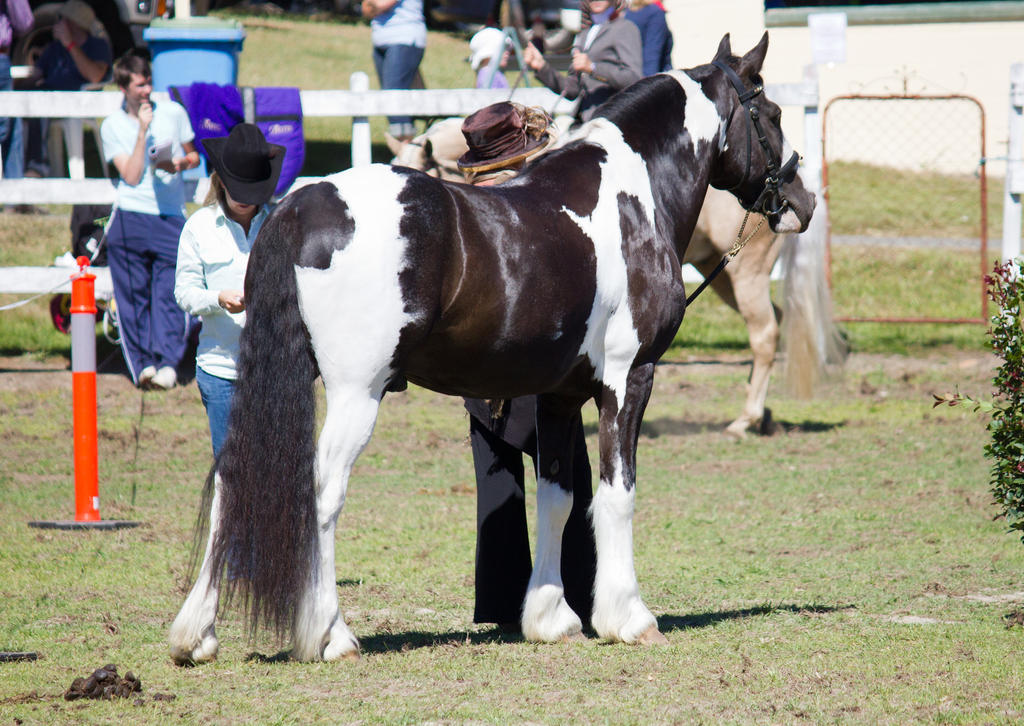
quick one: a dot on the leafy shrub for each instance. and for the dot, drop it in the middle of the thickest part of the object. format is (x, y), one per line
(1006, 450)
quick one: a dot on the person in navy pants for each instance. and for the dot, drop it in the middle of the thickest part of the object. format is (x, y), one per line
(150, 145)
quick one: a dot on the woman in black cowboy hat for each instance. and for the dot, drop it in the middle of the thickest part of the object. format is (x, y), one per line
(212, 256)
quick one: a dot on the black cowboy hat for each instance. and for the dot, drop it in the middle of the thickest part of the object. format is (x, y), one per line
(247, 165)
(497, 137)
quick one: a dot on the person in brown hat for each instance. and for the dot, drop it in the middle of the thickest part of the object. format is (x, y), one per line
(212, 257)
(501, 139)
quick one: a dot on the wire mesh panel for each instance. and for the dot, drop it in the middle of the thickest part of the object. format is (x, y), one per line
(905, 184)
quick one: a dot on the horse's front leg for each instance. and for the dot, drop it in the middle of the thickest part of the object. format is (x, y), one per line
(193, 637)
(320, 630)
(547, 616)
(619, 613)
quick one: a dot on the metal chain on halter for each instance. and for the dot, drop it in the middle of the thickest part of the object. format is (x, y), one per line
(738, 245)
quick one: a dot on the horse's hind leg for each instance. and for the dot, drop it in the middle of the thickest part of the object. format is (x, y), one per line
(193, 638)
(320, 630)
(619, 612)
(547, 616)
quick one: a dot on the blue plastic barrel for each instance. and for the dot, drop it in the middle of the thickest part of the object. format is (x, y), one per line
(194, 49)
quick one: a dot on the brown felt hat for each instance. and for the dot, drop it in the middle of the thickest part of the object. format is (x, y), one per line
(497, 136)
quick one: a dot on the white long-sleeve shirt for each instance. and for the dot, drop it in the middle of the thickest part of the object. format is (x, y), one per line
(213, 252)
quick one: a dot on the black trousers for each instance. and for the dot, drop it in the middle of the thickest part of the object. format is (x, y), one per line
(503, 562)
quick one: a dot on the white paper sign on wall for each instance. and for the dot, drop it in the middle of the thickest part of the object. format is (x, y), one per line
(828, 37)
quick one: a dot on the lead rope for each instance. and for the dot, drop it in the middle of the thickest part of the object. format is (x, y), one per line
(738, 245)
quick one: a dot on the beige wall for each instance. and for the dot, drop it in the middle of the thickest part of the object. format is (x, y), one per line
(963, 58)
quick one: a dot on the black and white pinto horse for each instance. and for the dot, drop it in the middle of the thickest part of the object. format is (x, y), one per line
(563, 282)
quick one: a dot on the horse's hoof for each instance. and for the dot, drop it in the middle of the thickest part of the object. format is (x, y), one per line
(767, 427)
(737, 430)
(205, 652)
(577, 637)
(652, 636)
(547, 617)
(342, 648)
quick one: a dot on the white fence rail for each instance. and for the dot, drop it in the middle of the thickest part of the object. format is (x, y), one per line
(359, 103)
(76, 107)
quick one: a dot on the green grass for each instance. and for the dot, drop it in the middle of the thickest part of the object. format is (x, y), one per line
(846, 570)
(882, 201)
(325, 58)
(837, 572)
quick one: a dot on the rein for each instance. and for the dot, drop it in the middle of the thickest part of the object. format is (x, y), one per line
(738, 245)
(771, 200)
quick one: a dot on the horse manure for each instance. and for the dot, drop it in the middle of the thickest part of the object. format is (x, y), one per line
(104, 683)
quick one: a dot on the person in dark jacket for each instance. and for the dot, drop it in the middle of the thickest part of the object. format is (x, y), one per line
(655, 37)
(607, 57)
(74, 58)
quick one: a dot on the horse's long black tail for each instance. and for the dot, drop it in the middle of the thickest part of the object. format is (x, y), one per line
(267, 531)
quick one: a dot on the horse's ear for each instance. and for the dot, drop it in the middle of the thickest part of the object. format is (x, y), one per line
(750, 64)
(724, 49)
(394, 144)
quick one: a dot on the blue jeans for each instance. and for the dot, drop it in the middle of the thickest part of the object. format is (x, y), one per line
(11, 145)
(396, 67)
(216, 393)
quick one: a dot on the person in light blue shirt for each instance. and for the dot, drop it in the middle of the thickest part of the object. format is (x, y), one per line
(150, 145)
(399, 34)
(212, 256)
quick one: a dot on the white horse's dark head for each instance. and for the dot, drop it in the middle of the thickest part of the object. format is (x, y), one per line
(756, 164)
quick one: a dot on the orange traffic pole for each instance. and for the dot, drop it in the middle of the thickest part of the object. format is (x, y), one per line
(83, 397)
(83, 393)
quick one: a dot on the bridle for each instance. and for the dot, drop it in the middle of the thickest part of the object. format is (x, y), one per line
(771, 200)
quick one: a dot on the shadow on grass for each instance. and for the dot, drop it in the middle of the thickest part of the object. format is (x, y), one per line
(667, 623)
(810, 427)
(282, 656)
(409, 640)
(414, 639)
(654, 428)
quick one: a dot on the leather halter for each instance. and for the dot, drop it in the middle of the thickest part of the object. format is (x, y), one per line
(771, 201)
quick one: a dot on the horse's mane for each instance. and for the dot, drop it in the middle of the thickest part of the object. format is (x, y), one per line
(634, 101)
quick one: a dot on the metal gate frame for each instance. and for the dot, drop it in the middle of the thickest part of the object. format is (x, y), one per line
(983, 199)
